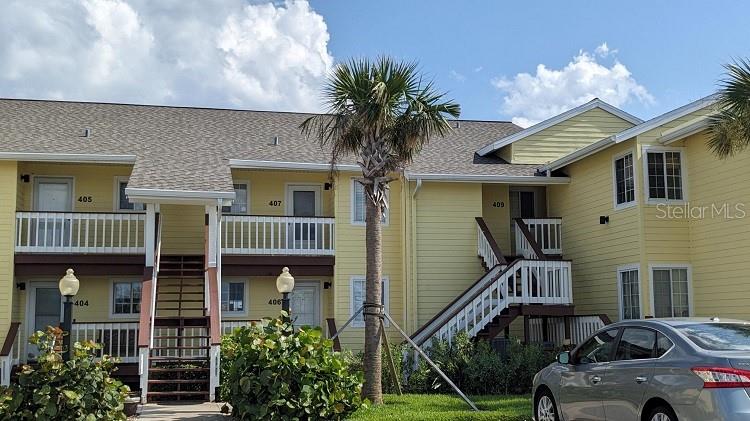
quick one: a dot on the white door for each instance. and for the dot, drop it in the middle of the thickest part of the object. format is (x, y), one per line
(44, 308)
(53, 194)
(305, 304)
(303, 201)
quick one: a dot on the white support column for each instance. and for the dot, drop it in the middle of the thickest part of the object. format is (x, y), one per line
(143, 372)
(150, 234)
(213, 234)
(213, 383)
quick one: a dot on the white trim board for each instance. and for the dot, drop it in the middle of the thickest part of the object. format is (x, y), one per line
(68, 157)
(181, 196)
(474, 178)
(594, 103)
(310, 166)
(627, 268)
(688, 129)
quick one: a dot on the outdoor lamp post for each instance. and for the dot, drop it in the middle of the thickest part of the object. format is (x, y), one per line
(68, 288)
(285, 285)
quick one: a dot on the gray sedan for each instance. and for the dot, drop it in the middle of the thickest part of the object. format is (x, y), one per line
(651, 370)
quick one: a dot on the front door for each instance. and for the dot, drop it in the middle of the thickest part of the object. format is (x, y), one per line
(52, 194)
(305, 304)
(303, 202)
(44, 309)
(522, 205)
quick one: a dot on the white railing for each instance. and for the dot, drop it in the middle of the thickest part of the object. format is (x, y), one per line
(117, 339)
(485, 250)
(72, 232)
(283, 235)
(581, 328)
(546, 232)
(523, 282)
(227, 326)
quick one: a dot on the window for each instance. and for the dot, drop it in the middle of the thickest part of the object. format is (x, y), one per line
(359, 204)
(624, 180)
(358, 298)
(718, 336)
(671, 292)
(122, 200)
(664, 175)
(239, 206)
(630, 297)
(233, 296)
(663, 344)
(597, 349)
(127, 297)
(636, 344)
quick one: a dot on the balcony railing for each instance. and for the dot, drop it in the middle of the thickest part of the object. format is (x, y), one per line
(546, 232)
(281, 235)
(74, 232)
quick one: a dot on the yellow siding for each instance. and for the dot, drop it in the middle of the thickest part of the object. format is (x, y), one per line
(596, 250)
(350, 258)
(268, 188)
(568, 136)
(8, 184)
(183, 229)
(720, 241)
(496, 213)
(96, 181)
(446, 238)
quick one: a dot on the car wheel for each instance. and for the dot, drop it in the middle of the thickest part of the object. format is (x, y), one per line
(545, 407)
(662, 413)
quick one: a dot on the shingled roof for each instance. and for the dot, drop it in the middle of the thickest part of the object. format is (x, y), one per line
(188, 149)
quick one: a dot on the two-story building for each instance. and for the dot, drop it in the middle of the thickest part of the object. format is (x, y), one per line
(178, 220)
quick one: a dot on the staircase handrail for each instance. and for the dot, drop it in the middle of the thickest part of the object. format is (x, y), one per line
(487, 240)
(535, 248)
(449, 311)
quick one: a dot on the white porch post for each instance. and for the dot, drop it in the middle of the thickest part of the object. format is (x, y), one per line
(213, 260)
(144, 345)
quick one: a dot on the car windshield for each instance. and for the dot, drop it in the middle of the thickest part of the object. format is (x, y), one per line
(718, 336)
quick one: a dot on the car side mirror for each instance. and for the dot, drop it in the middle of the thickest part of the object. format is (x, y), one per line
(563, 357)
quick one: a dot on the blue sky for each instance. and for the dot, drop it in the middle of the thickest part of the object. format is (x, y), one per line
(519, 61)
(673, 48)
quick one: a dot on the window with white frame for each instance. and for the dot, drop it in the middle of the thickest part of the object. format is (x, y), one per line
(123, 204)
(664, 175)
(357, 298)
(624, 180)
(630, 296)
(126, 297)
(233, 296)
(671, 292)
(359, 204)
(241, 197)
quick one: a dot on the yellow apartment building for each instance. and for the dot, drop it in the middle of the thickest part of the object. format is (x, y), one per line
(177, 222)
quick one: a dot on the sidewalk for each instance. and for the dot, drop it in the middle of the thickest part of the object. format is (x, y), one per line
(208, 411)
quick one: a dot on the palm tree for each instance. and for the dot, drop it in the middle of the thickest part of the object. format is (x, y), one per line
(381, 113)
(730, 127)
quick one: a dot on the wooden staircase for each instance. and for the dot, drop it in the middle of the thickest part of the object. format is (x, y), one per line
(179, 356)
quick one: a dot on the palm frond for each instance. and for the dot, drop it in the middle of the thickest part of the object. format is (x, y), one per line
(730, 127)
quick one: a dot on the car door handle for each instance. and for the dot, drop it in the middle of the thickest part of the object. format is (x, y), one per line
(596, 379)
(641, 379)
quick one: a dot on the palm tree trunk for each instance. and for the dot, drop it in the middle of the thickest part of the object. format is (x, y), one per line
(373, 294)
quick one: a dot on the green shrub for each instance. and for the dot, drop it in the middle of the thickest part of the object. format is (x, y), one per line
(388, 382)
(486, 370)
(79, 389)
(272, 372)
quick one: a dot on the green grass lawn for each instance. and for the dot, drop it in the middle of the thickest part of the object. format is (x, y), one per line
(448, 407)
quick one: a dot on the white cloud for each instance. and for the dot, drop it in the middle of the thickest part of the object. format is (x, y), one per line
(529, 99)
(187, 52)
(603, 50)
(459, 77)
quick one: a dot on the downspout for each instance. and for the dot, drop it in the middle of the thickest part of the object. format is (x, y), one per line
(414, 322)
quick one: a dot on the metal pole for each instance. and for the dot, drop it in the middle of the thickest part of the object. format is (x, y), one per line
(432, 364)
(67, 326)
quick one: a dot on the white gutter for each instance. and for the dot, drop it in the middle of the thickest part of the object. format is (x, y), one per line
(309, 166)
(68, 157)
(179, 196)
(684, 131)
(416, 188)
(472, 178)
